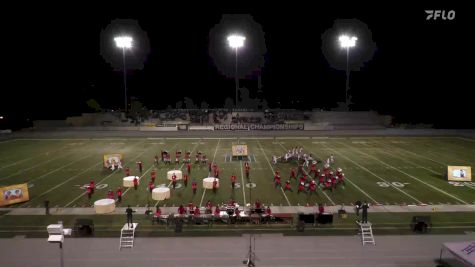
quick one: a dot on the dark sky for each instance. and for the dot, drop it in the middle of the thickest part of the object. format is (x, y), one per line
(421, 70)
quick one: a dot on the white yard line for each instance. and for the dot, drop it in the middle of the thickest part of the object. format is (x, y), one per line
(411, 176)
(324, 193)
(34, 166)
(272, 169)
(417, 165)
(377, 176)
(55, 170)
(465, 139)
(209, 173)
(242, 180)
(67, 180)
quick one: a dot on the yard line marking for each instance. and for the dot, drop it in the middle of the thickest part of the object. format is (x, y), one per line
(55, 170)
(357, 187)
(113, 172)
(209, 173)
(34, 166)
(377, 176)
(421, 156)
(413, 177)
(242, 180)
(272, 169)
(72, 177)
(465, 139)
(326, 195)
(422, 167)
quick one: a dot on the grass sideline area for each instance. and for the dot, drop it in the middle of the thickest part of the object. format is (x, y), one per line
(110, 225)
(382, 170)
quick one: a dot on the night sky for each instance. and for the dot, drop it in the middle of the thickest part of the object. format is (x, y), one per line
(421, 71)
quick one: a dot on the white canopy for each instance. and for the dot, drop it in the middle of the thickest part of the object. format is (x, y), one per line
(463, 251)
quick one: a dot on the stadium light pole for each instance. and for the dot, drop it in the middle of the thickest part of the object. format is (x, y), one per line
(236, 42)
(347, 42)
(124, 42)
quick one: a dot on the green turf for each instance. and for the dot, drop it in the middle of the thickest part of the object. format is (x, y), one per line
(414, 167)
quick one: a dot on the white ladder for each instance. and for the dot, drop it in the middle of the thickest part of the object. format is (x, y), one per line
(366, 233)
(127, 236)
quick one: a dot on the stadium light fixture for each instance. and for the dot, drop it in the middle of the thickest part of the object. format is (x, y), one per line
(124, 42)
(236, 41)
(347, 42)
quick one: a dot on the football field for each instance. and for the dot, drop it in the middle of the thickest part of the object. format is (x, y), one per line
(381, 170)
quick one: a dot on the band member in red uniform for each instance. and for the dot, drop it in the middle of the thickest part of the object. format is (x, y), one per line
(292, 173)
(231, 202)
(258, 204)
(313, 169)
(177, 156)
(136, 182)
(287, 186)
(188, 167)
(334, 180)
(303, 179)
(268, 211)
(174, 181)
(328, 184)
(151, 186)
(110, 194)
(341, 178)
(209, 167)
(208, 206)
(216, 172)
(215, 185)
(197, 211)
(185, 179)
(89, 192)
(301, 188)
(321, 179)
(127, 171)
(277, 172)
(153, 175)
(92, 185)
(247, 169)
(217, 211)
(277, 181)
(233, 181)
(119, 194)
(140, 165)
(194, 186)
(312, 187)
(158, 212)
(181, 210)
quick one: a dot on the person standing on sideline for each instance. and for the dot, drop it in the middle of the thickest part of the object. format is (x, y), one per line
(129, 213)
(357, 208)
(365, 208)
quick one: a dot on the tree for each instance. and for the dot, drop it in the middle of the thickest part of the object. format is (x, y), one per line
(204, 105)
(179, 105)
(189, 103)
(228, 103)
(92, 103)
